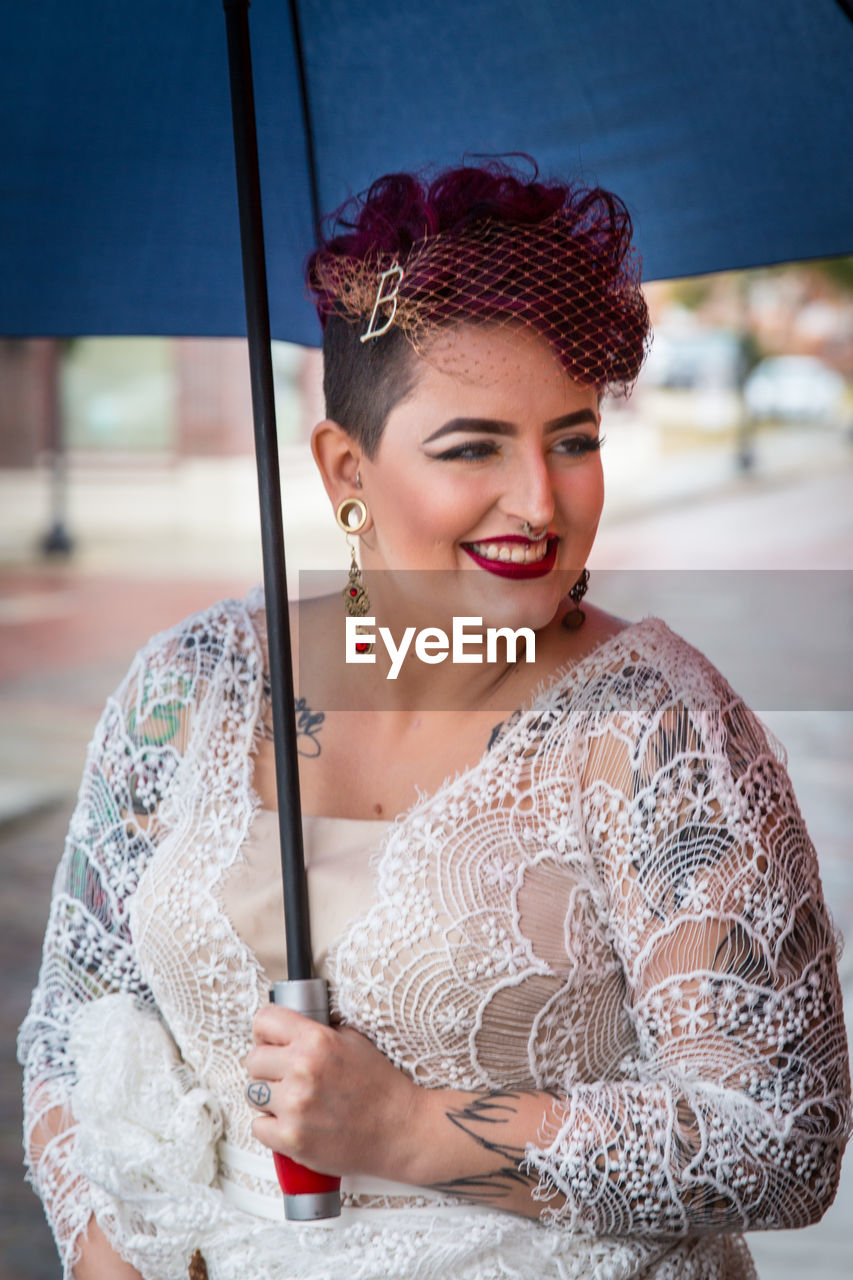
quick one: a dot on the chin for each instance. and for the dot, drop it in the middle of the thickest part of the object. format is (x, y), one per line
(511, 604)
(432, 598)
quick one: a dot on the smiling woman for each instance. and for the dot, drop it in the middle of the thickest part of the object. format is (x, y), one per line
(588, 1020)
(463, 466)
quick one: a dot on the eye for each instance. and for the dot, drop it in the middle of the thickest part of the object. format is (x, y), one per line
(470, 451)
(576, 445)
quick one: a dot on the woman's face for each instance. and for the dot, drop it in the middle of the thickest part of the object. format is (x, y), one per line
(494, 434)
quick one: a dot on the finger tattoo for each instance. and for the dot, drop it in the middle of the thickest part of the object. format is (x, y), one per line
(259, 1093)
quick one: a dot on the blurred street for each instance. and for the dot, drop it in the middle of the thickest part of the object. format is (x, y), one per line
(69, 630)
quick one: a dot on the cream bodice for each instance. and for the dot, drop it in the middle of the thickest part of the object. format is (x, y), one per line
(338, 854)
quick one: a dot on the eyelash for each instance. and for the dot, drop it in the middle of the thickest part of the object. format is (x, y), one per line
(476, 450)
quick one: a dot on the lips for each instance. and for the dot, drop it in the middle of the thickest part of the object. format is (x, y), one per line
(514, 557)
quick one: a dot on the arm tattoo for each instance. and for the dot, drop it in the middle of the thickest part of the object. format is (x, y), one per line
(481, 1119)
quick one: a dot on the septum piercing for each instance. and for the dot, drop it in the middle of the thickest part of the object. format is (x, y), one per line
(527, 530)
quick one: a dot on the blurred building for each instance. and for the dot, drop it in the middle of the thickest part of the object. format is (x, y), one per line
(29, 373)
(795, 309)
(146, 397)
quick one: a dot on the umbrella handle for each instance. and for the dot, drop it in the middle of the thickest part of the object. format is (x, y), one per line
(308, 1195)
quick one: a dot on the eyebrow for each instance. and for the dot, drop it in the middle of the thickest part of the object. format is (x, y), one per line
(498, 427)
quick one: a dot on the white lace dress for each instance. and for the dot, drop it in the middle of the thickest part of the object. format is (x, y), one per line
(619, 902)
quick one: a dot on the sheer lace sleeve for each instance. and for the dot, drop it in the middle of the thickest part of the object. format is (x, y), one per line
(735, 1110)
(88, 950)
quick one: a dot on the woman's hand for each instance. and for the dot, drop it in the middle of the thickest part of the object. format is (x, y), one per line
(98, 1260)
(326, 1097)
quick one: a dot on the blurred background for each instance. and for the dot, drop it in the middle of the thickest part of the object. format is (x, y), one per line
(128, 500)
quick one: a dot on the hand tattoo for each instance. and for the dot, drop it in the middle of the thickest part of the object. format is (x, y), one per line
(259, 1093)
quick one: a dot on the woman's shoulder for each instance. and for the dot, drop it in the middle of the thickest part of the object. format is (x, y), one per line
(649, 647)
(220, 628)
(605, 642)
(646, 678)
(175, 666)
(639, 666)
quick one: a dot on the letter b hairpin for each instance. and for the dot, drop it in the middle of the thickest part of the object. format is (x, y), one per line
(383, 299)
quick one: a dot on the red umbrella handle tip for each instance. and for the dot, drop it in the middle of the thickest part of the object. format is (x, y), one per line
(308, 1196)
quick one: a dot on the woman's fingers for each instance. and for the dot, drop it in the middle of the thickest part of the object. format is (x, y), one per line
(301, 1048)
(267, 1062)
(326, 1096)
(286, 1108)
(278, 1133)
(276, 1025)
(292, 1074)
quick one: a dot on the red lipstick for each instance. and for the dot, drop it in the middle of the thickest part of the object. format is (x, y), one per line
(509, 569)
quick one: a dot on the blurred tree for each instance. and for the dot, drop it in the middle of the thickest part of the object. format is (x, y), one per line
(838, 270)
(692, 292)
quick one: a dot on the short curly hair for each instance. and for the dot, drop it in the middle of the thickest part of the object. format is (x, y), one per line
(475, 244)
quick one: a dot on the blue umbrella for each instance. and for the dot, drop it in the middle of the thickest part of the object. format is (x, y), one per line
(728, 130)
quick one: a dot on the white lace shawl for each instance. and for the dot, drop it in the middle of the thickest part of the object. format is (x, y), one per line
(619, 903)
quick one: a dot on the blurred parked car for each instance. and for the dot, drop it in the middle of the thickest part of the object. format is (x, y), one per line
(795, 388)
(694, 359)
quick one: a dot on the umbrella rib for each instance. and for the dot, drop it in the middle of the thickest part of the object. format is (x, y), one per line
(310, 155)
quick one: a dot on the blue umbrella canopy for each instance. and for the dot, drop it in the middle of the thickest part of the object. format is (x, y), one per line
(728, 129)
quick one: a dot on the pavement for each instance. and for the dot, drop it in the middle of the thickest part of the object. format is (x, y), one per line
(68, 631)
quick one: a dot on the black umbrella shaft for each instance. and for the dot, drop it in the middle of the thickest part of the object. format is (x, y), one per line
(296, 923)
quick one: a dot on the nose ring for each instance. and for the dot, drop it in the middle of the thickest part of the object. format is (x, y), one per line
(527, 530)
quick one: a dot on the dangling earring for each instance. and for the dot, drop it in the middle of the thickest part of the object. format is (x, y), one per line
(575, 617)
(351, 515)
